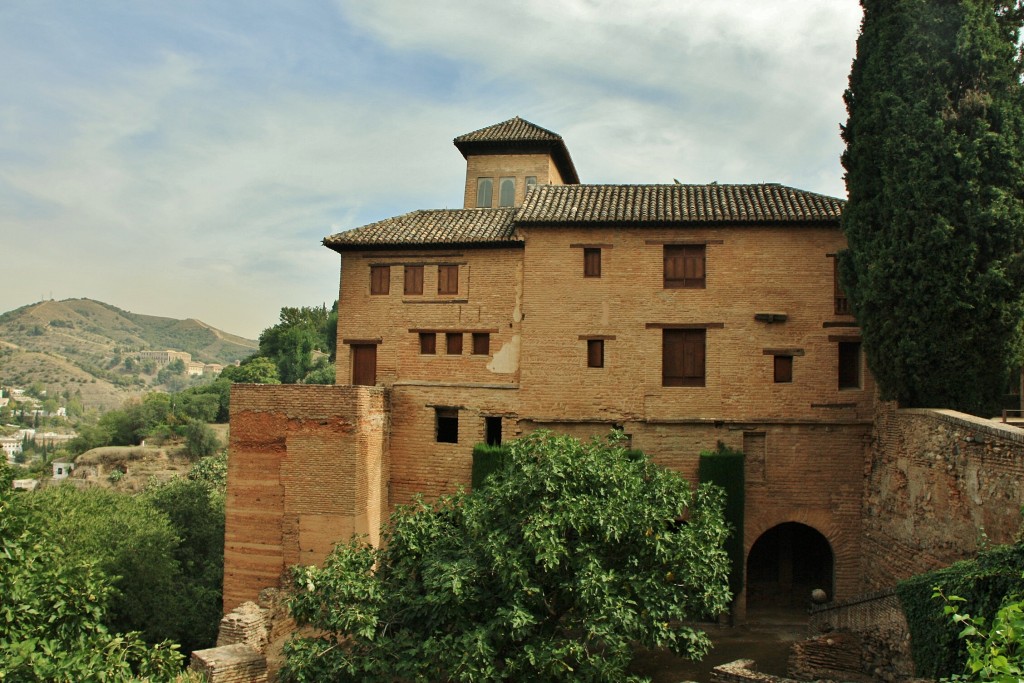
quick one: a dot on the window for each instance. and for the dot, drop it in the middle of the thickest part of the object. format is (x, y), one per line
(595, 353)
(446, 425)
(682, 358)
(684, 266)
(447, 279)
(414, 279)
(849, 365)
(783, 369)
(481, 343)
(492, 431)
(364, 364)
(591, 262)
(380, 279)
(842, 303)
(507, 192)
(428, 343)
(484, 192)
(453, 343)
(531, 181)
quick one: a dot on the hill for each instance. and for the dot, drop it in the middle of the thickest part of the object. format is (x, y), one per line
(85, 347)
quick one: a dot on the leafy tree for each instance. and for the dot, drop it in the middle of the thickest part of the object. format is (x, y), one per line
(994, 653)
(299, 332)
(257, 370)
(569, 556)
(321, 373)
(200, 441)
(935, 220)
(53, 611)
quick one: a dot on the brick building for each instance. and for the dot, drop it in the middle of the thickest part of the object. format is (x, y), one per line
(683, 315)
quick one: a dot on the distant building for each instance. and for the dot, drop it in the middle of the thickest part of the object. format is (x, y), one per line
(25, 484)
(212, 369)
(164, 357)
(11, 446)
(194, 368)
(61, 470)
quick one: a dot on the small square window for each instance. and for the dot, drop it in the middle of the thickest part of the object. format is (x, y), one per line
(492, 430)
(414, 279)
(591, 262)
(849, 365)
(380, 279)
(484, 192)
(595, 353)
(481, 343)
(448, 279)
(684, 266)
(428, 343)
(446, 425)
(453, 342)
(783, 369)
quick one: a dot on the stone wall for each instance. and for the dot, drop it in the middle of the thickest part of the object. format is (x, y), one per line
(307, 468)
(939, 483)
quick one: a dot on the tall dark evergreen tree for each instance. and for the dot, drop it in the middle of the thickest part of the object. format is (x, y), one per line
(935, 220)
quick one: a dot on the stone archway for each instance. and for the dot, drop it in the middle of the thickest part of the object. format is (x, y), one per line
(785, 564)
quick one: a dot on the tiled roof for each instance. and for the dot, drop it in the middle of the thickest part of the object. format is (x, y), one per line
(518, 134)
(666, 204)
(513, 130)
(434, 227)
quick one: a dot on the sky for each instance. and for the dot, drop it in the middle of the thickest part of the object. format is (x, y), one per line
(185, 159)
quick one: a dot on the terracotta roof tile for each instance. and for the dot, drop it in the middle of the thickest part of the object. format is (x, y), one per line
(431, 228)
(519, 135)
(667, 204)
(513, 130)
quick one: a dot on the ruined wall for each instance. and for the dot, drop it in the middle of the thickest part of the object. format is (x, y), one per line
(938, 481)
(308, 466)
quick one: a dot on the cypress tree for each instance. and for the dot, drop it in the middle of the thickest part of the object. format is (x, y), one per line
(935, 220)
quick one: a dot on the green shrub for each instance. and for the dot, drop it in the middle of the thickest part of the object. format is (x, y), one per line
(486, 460)
(724, 467)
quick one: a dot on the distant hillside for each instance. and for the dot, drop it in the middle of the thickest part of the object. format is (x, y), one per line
(81, 345)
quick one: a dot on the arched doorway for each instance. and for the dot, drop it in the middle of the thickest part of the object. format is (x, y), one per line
(785, 564)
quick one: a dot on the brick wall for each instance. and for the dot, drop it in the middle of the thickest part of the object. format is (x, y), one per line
(307, 468)
(938, 480)
(518, 166)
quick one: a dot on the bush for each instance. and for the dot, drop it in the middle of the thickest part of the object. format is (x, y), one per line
(200, 440)
(487, 460)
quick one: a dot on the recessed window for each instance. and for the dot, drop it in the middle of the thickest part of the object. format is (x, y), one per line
(447, 279)
(428, 343)
(446, 425)
(684, 266)
(481, 343)
(849, 365)
(595, 353)
(453, 343)
(484, 192)
(842, 303)
(682, 358)
(531, 181)
(380, 279)
(783, 369)
(591, 262)
(492, 430)
(414, 279)
(507, 192)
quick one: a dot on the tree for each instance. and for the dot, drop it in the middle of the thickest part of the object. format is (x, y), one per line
(569, 555)
(200, 440)
(935, 219)
(257, 370)
(52, 616)
(300, 331)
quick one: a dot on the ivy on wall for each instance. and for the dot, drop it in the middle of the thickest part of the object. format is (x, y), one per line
(724, 467)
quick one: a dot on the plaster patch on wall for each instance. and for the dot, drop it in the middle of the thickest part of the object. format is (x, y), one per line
(506, 360)
(517, 309)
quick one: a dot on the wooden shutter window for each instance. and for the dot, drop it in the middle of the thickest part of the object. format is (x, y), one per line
(380, 279)
(364, 364)
(684, 266)
(453, 342)
(448, 279)
(595, 353)
(591, 262)
(682, 358)
(428, 343)
(783, 369)
(414, 279)
(481, 343)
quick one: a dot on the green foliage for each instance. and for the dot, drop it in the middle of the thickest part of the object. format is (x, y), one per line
(53, 611)
(993, 654)
(322, 372)
(256, 370)
(935, 219)
(200, 440)
(211, 471)
(570, 556)
(290, 344)
(983, 583)
(195, 508)
(724, 467)
(487, 460)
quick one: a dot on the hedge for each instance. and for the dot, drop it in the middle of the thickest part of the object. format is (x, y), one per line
(487, 459)
(724, 467)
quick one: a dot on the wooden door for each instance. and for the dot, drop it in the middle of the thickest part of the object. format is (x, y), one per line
(364, 364)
